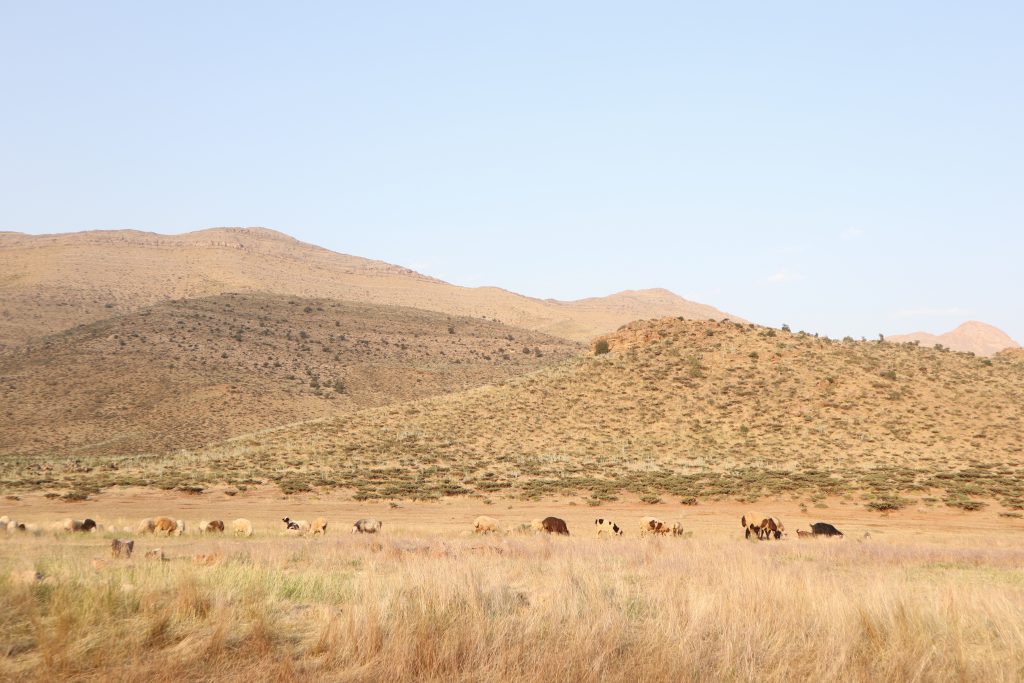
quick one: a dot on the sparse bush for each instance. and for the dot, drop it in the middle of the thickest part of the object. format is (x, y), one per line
(887, 503)
(601, 347)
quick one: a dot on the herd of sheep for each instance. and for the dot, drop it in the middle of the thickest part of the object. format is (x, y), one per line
(758, 525)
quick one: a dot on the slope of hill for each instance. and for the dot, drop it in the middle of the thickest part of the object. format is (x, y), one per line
(49, 283)
(692, 409)
(972, 336)
(183, 373)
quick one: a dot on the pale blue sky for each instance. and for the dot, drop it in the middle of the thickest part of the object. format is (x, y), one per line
(847, 169)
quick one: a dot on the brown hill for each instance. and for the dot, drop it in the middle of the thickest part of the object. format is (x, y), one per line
(691, 409)
(183, 373)
(49, 283)
(972, 336)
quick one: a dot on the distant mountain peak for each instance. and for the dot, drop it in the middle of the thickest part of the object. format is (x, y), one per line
(971, 336)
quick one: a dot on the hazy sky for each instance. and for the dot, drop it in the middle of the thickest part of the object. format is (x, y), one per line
(846, 170)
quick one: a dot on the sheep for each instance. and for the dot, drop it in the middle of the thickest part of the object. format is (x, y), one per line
(14, 525)
(119, 548)
(167, 526)
(537, 525)
(299, 526)
(320, 526)
(607, 526)
(677, 528)
(554, 525)
(772, 528)
(215, 526)
(751, 522)
(652, 525)
(242, 527)
(155, 554)
(485, 525)
(4, 520)
(78, 525)
(367, 525)
(146, 526)
(804, 534)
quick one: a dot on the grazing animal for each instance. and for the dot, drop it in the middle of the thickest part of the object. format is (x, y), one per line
(155, 554)
(299, 526)
(215, 526)
(121, 548)
(146, 526)
(771, 527)
(485, 525)
(367, 525)
(320, 526)
(752, 522)
(167, 526)
(607, 526)
(79, 524)
(554, 525)
(677, 529)
(652, 525)
(241, 527)
(14, 525)
(4, 520)
(804, 534)
(824, 529)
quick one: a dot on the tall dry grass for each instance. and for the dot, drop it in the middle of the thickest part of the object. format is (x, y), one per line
(419, 608)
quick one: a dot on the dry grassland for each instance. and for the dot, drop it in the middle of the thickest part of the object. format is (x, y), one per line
(919, 599)
(678, 410)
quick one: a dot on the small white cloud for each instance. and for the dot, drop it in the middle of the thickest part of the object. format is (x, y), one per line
(783, 277)
(851, 234)
(931, 313)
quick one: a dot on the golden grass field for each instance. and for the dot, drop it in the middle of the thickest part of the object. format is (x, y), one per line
(177, 395)
(930, 594)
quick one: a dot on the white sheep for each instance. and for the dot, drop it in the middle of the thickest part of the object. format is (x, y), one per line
(320, 526)
(485, 525)
(297, 526)
(241, 527)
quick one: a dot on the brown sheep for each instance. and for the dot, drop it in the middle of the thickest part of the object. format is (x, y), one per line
(121, 548)
(772, 528)
(804, 534)
(167, 526)
(751, 522)
(554, 525)
(651, 525)
(320, 526)
(211, 527)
